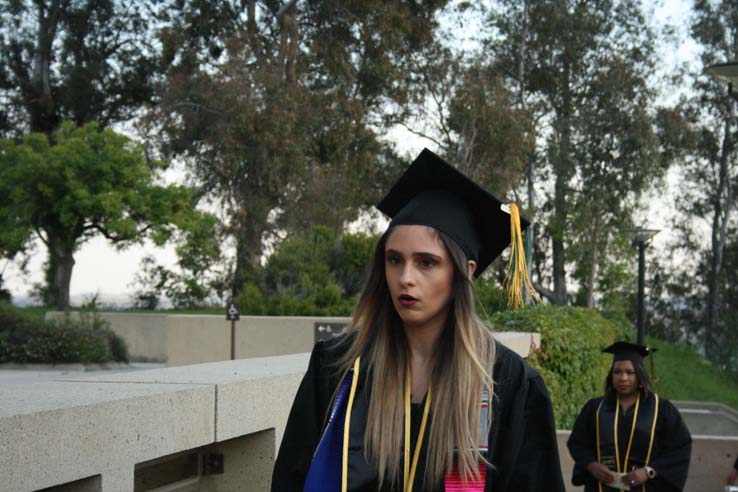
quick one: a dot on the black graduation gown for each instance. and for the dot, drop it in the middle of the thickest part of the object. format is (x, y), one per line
(670, 455)
(522, 441)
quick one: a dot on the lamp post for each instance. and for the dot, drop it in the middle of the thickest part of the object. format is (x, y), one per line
(725, 72)
(641, 238)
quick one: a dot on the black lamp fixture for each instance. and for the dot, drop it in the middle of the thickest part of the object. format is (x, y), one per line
(641, 238)
(727, 72)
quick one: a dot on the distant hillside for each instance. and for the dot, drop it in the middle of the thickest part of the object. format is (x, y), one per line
(686, 375)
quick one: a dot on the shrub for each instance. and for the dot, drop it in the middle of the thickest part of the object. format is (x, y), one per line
(318, 273)
(86, 339)
(570, 358)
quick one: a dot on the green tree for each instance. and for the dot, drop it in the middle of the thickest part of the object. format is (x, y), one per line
(279, 114)
(81, 61)
(582, 71)
(80, 182)
(712, 171)
(464, 107)
(314, 273)
(199, 279)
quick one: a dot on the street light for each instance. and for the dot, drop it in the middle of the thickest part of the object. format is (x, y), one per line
(641, 238)
(727, 72)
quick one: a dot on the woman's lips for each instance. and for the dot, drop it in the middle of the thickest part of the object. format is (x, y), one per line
(406, 300)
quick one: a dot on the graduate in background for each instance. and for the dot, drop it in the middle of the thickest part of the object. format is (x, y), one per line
(401, 403)
(630, 438)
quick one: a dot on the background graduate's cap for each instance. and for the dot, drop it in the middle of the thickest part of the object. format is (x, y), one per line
(433, 193)
(632, 352)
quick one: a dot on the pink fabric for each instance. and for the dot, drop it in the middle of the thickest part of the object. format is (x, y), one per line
(454, 483)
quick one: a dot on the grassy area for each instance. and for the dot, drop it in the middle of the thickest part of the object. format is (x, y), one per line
(686, 375)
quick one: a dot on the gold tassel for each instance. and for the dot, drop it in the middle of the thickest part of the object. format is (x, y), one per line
(516, 279)
(654, 377)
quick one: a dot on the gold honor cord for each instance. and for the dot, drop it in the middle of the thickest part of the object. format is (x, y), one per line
(632, 432)
(653, 433)
(597, 430)
(347, 427)
(409, 470)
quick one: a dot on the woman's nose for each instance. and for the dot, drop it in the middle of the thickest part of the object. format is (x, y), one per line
(407, 275)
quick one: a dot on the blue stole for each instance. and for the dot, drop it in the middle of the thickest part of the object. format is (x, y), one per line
(325, 473)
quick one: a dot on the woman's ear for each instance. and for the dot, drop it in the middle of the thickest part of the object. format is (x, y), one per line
(471, 266)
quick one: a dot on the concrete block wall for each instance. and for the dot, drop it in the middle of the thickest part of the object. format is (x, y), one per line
(89, 434)
(92, 434)
(145, 334)
(182, 340)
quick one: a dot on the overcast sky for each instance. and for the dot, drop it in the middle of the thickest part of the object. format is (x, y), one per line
(101, 269)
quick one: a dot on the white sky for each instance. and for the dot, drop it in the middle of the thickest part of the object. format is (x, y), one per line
(101, 269)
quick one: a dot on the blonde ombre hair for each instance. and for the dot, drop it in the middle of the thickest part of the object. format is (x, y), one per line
(462, 368)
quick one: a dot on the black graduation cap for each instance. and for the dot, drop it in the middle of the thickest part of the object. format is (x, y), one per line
(629, 351)
(433, 193)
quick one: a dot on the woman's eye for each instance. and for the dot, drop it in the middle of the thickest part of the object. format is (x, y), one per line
(427, 263)
(393, 260)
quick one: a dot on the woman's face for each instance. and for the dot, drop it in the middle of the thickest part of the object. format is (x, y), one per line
(419, 273)
(624, 378)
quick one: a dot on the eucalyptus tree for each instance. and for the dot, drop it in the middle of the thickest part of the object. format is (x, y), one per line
(278, 108)
(79, 61)
(711, 174)
(583, 70)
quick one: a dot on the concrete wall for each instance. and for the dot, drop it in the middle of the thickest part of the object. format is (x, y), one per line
(712, 460)
(196, 339)
(145, 334)
(95, 434)
(89, 434)
(182, 340)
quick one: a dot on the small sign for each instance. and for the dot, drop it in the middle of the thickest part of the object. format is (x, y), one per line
(232, 313)
(326, 331)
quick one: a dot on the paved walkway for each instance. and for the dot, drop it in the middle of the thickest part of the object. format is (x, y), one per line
(23, 376)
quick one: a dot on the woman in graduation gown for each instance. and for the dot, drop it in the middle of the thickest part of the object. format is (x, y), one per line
(630, 432)
(401, 402)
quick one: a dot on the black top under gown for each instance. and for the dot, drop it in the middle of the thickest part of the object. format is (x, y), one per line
(669, 458)
(522, 440)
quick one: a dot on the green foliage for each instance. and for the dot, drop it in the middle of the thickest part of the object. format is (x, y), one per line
(490, 297)
(283, 110)
(77, 61)
(313, 274)
(199, 279)
(86, 339)
(686, 375)
(570, 358)
(78, 183)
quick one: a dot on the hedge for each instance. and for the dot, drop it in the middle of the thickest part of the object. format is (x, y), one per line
(570, 358)
(87, 339)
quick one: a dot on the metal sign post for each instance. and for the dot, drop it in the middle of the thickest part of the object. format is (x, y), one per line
(233, 315)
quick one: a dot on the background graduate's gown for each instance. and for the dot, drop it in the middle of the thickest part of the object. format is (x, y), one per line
(670, 455)
(522, 442)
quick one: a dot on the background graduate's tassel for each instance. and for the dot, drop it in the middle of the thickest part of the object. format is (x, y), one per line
(516, 279)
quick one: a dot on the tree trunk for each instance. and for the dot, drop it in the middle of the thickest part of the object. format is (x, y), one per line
(248, 250)
(39, 98)
(562, 169)
(721, 214)
(63, 279)
(592, 275)
(59, 273)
